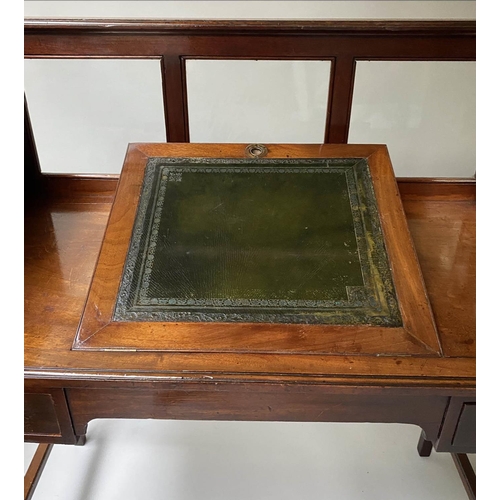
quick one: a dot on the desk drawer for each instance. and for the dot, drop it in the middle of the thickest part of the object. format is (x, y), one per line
(46, 416)
(465, 432)
(254, 403)
(458, 434)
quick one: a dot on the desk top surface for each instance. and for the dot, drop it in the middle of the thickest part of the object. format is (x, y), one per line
(60, 259)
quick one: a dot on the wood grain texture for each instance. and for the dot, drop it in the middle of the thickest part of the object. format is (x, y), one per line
(46, 415)
(40, 415)
(412, 295)
(62, 242)
(246, 46)
(90, 189)
(444, 233)
(98, 330)
(275, 404)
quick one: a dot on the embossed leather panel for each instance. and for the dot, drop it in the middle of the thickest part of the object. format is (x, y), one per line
(295, 241)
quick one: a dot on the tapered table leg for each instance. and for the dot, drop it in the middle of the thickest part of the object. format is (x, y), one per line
(466, 473)
(35, 469)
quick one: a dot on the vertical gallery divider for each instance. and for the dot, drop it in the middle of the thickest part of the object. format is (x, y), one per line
(340, 99)
(173, 69)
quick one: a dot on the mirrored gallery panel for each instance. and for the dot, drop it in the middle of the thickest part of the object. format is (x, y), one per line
(257, 101)
(424, 111)
(84, 112)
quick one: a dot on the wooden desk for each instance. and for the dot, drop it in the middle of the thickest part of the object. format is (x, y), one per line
(66, 388)
(66, 218)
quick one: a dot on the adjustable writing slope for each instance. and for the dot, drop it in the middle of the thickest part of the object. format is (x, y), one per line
(257, 249)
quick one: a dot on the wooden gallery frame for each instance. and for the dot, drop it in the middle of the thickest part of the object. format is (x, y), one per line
(173, 42)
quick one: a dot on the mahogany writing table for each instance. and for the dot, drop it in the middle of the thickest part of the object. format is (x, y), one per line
(184, 317)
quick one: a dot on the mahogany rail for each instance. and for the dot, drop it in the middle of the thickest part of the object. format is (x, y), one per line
(173, 42)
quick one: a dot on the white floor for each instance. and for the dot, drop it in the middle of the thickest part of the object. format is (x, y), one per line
(188, 460)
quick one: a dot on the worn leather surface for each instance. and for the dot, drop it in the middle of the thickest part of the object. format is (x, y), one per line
(253, 237)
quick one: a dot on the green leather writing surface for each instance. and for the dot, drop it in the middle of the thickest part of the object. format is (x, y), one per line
(261, 240)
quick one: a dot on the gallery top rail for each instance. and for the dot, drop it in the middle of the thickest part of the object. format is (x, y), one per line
(222, 26)
(173, 42)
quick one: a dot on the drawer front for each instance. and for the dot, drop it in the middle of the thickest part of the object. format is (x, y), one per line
(458, 434)
(46, 417)
(465, 433)
(282, 403)
(40, 415)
